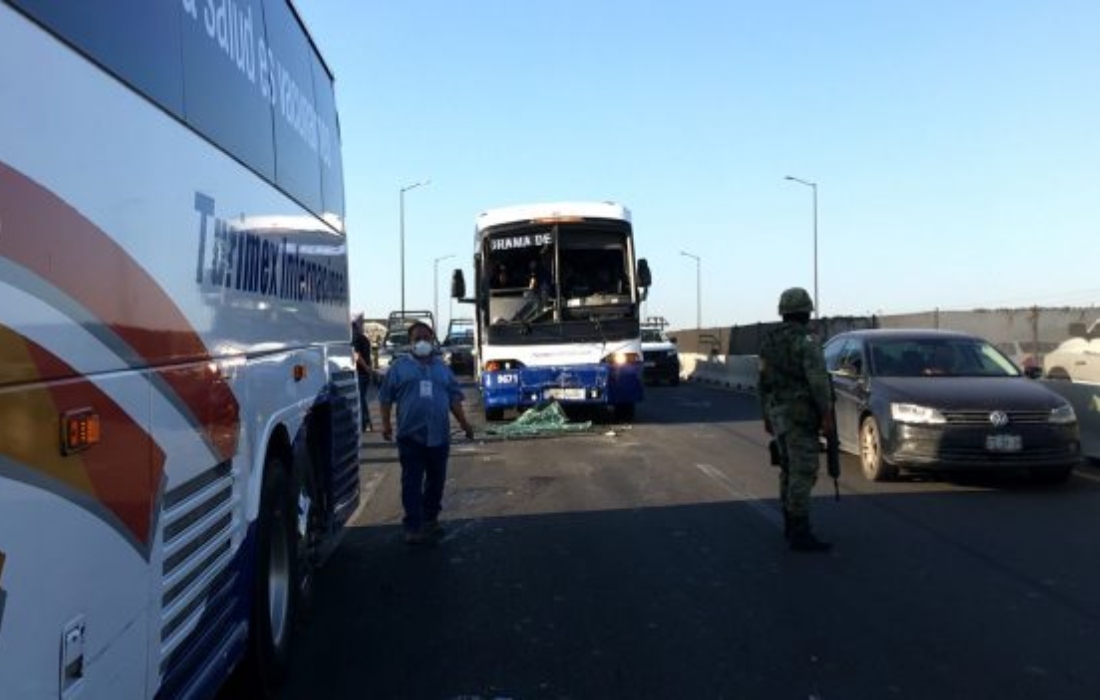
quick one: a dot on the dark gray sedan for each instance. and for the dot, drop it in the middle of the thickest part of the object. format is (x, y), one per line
(931, 399)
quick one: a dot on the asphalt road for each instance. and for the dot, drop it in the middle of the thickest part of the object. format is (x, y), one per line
(646, 561)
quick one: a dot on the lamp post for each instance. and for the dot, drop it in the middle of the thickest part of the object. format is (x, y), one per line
(698, 289)
(402, 198)
(813, 186)
(435, 289)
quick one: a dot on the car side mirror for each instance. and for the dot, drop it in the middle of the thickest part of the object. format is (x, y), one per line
(672, 339)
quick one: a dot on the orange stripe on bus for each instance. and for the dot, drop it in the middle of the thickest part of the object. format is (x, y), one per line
(47, 236)
(123, 472)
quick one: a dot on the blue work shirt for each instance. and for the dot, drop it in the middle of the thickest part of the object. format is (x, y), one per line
(423, 392)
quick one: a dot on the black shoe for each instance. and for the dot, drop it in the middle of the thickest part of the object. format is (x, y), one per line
(803, 540)
(433, 530)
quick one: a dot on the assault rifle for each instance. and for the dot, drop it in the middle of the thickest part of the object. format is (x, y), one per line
(832, 446)
(832, 458)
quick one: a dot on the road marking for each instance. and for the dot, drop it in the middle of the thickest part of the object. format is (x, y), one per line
(751, 500)
(1085, 475)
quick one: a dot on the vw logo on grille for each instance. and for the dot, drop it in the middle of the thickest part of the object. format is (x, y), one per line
(999, 419)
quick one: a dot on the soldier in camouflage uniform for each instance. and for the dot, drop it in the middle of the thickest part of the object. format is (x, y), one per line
(796, 402)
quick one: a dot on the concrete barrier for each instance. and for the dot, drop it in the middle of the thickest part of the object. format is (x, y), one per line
(737, 372)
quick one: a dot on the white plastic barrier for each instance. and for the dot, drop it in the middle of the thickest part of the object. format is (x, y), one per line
(731, 371)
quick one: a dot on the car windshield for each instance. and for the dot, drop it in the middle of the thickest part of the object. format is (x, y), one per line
(652, 335)
(397, 339)
(938, 357)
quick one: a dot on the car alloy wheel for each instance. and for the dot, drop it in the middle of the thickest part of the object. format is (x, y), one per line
(874, 466)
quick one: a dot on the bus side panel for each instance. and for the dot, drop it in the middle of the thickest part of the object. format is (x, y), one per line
(342, 444)
(200, 587)
(76, 531)
(170, 275)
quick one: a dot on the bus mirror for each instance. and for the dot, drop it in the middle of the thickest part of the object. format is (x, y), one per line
(644, 278)
(458, 285)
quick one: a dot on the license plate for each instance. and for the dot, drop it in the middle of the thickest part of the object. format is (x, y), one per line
(563, 394)
(651, 363)
(1003, 443)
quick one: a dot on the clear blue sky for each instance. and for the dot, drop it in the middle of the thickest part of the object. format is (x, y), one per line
(955, 144)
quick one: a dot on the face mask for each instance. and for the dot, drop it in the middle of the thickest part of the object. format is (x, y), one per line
(422, 348)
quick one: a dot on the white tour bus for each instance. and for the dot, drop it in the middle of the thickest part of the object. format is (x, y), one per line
(178, 411)
(557, 299)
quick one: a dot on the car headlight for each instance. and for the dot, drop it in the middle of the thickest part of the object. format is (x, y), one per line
(1063, 415)
(914, 413)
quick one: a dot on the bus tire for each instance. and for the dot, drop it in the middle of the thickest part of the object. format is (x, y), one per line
(275, 596)
(624, 411)
(494, 414)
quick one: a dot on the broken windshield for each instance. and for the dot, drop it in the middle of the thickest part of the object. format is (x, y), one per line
(559, 273)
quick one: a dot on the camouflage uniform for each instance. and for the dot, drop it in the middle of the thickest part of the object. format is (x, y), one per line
(794, 394)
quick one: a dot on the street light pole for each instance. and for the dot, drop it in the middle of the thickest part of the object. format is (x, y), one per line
(435, 290)
(813, 186)
(402, 198)
(698, 289)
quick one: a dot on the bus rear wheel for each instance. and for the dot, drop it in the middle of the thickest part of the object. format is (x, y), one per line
(277, 588)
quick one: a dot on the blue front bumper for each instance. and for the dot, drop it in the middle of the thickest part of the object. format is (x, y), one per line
(592, 385)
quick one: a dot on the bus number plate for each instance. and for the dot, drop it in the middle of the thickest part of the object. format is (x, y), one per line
(576, 394)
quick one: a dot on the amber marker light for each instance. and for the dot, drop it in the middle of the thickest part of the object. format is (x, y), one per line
(79, 430)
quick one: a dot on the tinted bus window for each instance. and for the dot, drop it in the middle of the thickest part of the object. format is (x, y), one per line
(226, 97)
(329, 141)
(137, 40)
(243, 74)
(297, 145)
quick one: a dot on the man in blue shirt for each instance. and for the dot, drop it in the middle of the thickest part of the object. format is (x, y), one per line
(425, 391)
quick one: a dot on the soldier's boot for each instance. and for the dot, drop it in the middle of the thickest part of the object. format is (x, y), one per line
(802, 538)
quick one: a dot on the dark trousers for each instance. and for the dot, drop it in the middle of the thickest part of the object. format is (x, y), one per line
(364, 406)
(423, 473)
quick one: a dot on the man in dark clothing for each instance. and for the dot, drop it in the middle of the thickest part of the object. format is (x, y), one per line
(361, 345)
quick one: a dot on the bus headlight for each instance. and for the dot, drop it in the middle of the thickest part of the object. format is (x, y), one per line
(619, 359)
(498, 365)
